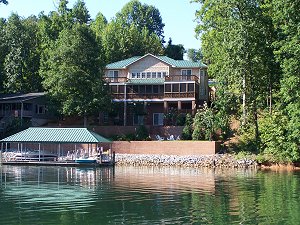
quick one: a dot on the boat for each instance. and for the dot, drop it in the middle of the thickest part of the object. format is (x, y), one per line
(86, 160)
(35, 156)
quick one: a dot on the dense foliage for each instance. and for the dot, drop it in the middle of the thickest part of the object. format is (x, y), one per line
(64, 52)
(253, 51)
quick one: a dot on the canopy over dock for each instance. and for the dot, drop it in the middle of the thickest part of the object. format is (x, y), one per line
(85, 142)
(55, 135)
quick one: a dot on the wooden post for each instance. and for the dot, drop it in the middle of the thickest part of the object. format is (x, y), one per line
(39, 151)
(165, 107)
(1, 154)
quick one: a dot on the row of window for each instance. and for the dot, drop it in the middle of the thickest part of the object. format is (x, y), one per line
(39, 109)
(143, 75)
(158, 119)
(154, 89)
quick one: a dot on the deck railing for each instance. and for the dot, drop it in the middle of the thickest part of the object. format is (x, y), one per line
(116, 79)
(181, 78)
(154, 96)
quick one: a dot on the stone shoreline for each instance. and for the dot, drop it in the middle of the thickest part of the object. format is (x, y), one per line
(210, 161)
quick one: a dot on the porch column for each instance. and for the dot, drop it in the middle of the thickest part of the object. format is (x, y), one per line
(166, 107)
(193, 107)
(179, 106)
(125, 105)
(22, 108)
(39, 151)
(1, 154)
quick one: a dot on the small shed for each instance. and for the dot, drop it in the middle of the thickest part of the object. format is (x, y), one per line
(61, 141)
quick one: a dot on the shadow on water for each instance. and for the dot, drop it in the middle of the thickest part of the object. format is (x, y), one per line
(147, 195)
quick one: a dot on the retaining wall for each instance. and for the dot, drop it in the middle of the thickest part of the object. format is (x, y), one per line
(166, 147)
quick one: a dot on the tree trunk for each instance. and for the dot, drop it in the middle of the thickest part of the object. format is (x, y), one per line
(84, 121)
(244, 101)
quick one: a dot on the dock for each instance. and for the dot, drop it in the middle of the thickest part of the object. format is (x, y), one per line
(57, 163)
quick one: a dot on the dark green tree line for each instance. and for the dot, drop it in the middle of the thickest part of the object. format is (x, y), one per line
(252, 50)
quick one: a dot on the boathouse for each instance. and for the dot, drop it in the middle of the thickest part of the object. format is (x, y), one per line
(54, 144)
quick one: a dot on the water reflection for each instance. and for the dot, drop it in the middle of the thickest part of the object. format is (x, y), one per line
(147, 195)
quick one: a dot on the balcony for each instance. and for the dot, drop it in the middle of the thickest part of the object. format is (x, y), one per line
(180, 95)
(154, 96)
(173, 78)
(116, 79)
(139, 96)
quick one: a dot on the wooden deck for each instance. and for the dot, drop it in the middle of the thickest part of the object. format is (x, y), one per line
(57, 163)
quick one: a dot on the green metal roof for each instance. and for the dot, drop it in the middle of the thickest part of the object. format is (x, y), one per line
(123, 63)
(172, 62)
(147, 81)
(56, 135)
(181, 63)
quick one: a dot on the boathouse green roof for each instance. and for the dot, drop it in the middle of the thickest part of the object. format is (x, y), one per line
(172, 62)
(56, 135)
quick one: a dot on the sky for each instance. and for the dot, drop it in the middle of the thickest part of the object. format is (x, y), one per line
(177, 15)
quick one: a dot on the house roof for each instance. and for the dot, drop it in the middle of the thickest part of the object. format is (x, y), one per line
(13, 98)
(56, 135)
(172, 62)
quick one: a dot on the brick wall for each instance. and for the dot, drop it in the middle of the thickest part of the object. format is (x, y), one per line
(166, 147)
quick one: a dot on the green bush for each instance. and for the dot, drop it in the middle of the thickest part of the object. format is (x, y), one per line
(188, 128)
(142, 133)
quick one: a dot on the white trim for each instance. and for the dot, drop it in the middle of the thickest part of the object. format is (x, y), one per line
(145, 57)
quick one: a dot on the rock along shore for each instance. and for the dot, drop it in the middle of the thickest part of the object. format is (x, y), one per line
(211, 161)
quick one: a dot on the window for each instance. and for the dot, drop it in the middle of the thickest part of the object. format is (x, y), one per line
(148, 74)
(143, 75)
(114, 88)
(190, 87)
(148, 89)
(153, 74)
(142, 89)
(138, 75)
(175, 88)
(40, 109)
(202, 73)
(186, 72)
(158, 119)
(133, 75)
(121, 89)
(138, 119)
(182, 87)
(113, 74)
(164, 74)
(158, 74)
(168, 88)
(135, 89)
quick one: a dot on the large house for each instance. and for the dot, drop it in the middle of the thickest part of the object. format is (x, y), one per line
(146, 88)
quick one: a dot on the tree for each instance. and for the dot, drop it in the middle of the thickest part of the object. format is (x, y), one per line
(174, 51)
(80, 13)
(120, 44)
(286, 21)
(236, 41)
(204, 124)
(3, 52)
(73, 73)
(194, 54)
(188, 128)
(99, 25)
(143, 16)
(22, 60)
(4, 2)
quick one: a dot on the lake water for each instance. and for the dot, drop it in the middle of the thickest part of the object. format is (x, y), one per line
(146, 195)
